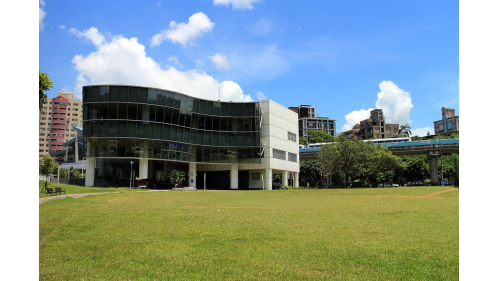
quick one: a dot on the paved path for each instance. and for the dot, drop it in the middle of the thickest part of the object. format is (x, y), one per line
(77, 195)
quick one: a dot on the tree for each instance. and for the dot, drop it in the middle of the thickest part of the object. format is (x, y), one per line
(309, 172)
(46, 166)
(406, 129)
(326, 160)
(173, 177)
(303, 141)
(320, 137)
(44, 84)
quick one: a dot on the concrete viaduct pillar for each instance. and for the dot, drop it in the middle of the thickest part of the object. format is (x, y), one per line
(432, 156)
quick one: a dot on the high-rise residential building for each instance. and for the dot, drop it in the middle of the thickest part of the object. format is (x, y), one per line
(374, 127)
(448, 124)
(309, 120)
(55, 121)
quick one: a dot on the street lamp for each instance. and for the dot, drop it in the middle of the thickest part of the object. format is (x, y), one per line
(131, 163)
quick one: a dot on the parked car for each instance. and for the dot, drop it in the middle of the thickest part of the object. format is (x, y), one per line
(388, 184)
(446, 182)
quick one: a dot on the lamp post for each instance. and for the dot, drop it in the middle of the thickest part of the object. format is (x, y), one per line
(131, 163)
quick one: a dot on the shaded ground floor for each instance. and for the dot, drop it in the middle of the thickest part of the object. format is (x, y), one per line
(162, 174)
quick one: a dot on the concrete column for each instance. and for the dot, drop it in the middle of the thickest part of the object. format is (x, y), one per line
(143, 168)
(268, 179)
(192, 175)
(234, 177)
(432, 156)
(90, 169)
(284, 178)
(76, 151)
(295, 179)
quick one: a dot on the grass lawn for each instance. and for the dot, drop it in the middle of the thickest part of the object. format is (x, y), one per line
(71, 189)
(377, 233)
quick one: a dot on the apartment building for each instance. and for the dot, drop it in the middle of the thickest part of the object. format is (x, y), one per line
(374, 127)
(310, 120)
(55, 121)
(448, 124)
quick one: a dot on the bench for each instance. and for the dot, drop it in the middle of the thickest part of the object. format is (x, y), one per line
(50, 191)
(60, 190)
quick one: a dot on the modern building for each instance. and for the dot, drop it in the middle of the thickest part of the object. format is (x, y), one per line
(374, 127)
(72, 153)
(56, 120)
(139, 132)
(448, 124)
(310, 120)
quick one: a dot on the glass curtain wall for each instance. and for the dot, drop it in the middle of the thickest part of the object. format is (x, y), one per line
(123, 121)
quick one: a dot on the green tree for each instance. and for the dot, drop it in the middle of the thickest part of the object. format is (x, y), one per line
(326, 161)
(406, 129)
(46, 165)
(173, 177)
(63, 173)
(44, 84)
(309, 172)
(320, 137)
(303, 141)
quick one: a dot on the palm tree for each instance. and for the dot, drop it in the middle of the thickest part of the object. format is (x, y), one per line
(406, 129)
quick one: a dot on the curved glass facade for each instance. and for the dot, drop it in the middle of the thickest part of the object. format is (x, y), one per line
(138, 122)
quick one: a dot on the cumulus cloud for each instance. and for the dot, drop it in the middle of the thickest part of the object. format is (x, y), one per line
(394, 102)
(184, 33)
(62, 26)
(237, 4)
(124, 61)
(41, 14)
(355, 117)
(261, 96)
(91, 34)
(422, 132)
(219, 61)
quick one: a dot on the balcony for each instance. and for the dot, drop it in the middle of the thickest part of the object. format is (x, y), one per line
(56, 148)
(56, 142)
(58, 126)
(57, 137)
(59, 116)
(59, 111)
(57, 132)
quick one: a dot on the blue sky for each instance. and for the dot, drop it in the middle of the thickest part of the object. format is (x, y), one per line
(343, 57)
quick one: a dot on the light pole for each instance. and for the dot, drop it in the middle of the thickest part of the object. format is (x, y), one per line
(131, 163)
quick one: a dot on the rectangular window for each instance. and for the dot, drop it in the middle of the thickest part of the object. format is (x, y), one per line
(292, 157)
(292, 137)
(279, 154)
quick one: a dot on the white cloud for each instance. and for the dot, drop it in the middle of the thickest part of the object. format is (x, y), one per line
(158, 4)
(355, 117)
(219, 61)
(394, 102)
(91, 34)
(261, 96)
(124, 61)
(422, 132)
(263, 26)
(41, 14)
(184, 33)
(237, 4)
(174, 60)
(62, 26)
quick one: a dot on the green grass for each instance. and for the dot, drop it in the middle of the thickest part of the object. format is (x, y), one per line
(72, 189)
(282, 234)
